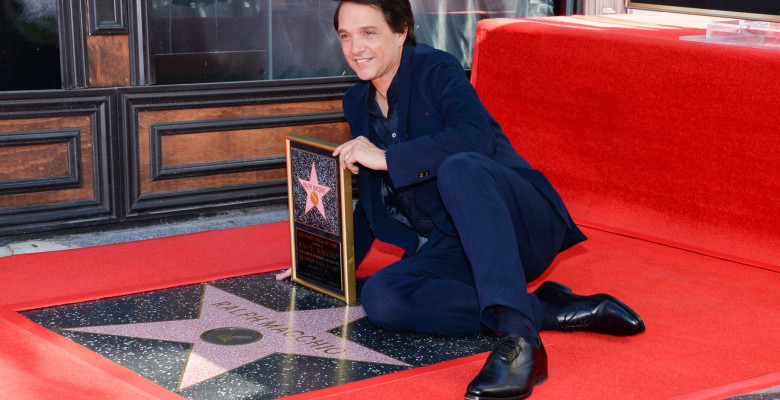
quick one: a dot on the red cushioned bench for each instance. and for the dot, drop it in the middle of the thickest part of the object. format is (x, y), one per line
(644, 134)
(667, 153)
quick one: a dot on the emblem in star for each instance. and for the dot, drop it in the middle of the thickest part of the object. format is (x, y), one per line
(231, 332)
(314, 192)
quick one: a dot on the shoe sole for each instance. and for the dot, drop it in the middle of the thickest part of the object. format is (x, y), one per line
(566, 289)
(538, 380)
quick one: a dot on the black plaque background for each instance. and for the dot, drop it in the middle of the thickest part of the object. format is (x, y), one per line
(302, 157)
(323, 268)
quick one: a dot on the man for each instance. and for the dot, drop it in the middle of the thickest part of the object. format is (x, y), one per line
(437, 177)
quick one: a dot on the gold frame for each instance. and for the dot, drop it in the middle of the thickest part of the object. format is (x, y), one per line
(702, 11)
(346, 238)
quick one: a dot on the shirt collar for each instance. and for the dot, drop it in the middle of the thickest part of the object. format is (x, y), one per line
(392, 95)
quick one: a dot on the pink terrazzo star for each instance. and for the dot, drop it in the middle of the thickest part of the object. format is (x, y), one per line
(293, 332)
(314, 192)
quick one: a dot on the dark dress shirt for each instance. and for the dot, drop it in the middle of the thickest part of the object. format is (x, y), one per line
(400, 204)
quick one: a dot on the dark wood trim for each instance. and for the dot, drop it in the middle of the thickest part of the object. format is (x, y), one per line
(71, 138)
(107, 17)
(43, 103)
(208, 199)
(141, 60)
(181, 171)
(52, 217)
(73, 44)
(198, 95)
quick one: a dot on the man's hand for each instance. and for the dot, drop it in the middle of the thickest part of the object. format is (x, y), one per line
(361, 151)
(284, 274)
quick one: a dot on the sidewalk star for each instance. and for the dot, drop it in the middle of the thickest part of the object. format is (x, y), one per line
(231, 332)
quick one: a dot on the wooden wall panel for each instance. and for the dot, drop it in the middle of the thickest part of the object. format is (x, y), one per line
(207, 160)
(201, 148)
(55, 152)
(213, 156)
(109, 60)
(34, 162)
(221, 152)
(26, 162)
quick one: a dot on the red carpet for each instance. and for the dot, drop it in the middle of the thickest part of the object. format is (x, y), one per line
(711, 324)
(144, 265)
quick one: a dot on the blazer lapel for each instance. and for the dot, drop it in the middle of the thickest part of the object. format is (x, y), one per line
(404, 89)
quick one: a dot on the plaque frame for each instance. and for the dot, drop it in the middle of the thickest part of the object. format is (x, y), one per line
(310, 226)
(746, 9)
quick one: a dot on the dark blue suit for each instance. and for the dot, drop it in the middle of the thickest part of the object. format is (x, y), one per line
(499, 223)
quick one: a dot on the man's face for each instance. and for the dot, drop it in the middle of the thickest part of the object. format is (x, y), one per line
(370, 47)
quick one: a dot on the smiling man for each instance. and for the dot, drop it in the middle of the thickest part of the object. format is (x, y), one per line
(437, 177)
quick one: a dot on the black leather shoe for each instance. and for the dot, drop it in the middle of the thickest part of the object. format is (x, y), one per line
(600, 313)
(511, 371)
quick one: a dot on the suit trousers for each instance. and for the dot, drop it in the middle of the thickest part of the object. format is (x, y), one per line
(508, 234)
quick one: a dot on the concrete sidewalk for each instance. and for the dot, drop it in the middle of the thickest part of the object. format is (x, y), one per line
(49, 241)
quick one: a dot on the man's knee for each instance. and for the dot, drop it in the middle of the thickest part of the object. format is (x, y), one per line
(384, 304)
(460, 168)
(458, 165)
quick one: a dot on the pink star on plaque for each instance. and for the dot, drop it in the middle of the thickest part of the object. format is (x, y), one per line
(314, 192)
(232, 332)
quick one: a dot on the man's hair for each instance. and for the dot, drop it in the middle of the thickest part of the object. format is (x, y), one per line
(398, 14)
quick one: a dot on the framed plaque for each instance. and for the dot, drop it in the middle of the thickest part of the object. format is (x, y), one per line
(767, 10)
(320, 203)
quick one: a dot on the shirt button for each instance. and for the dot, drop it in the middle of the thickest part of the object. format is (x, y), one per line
(394, 135)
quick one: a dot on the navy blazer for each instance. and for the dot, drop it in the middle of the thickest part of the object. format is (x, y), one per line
(439, 114)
